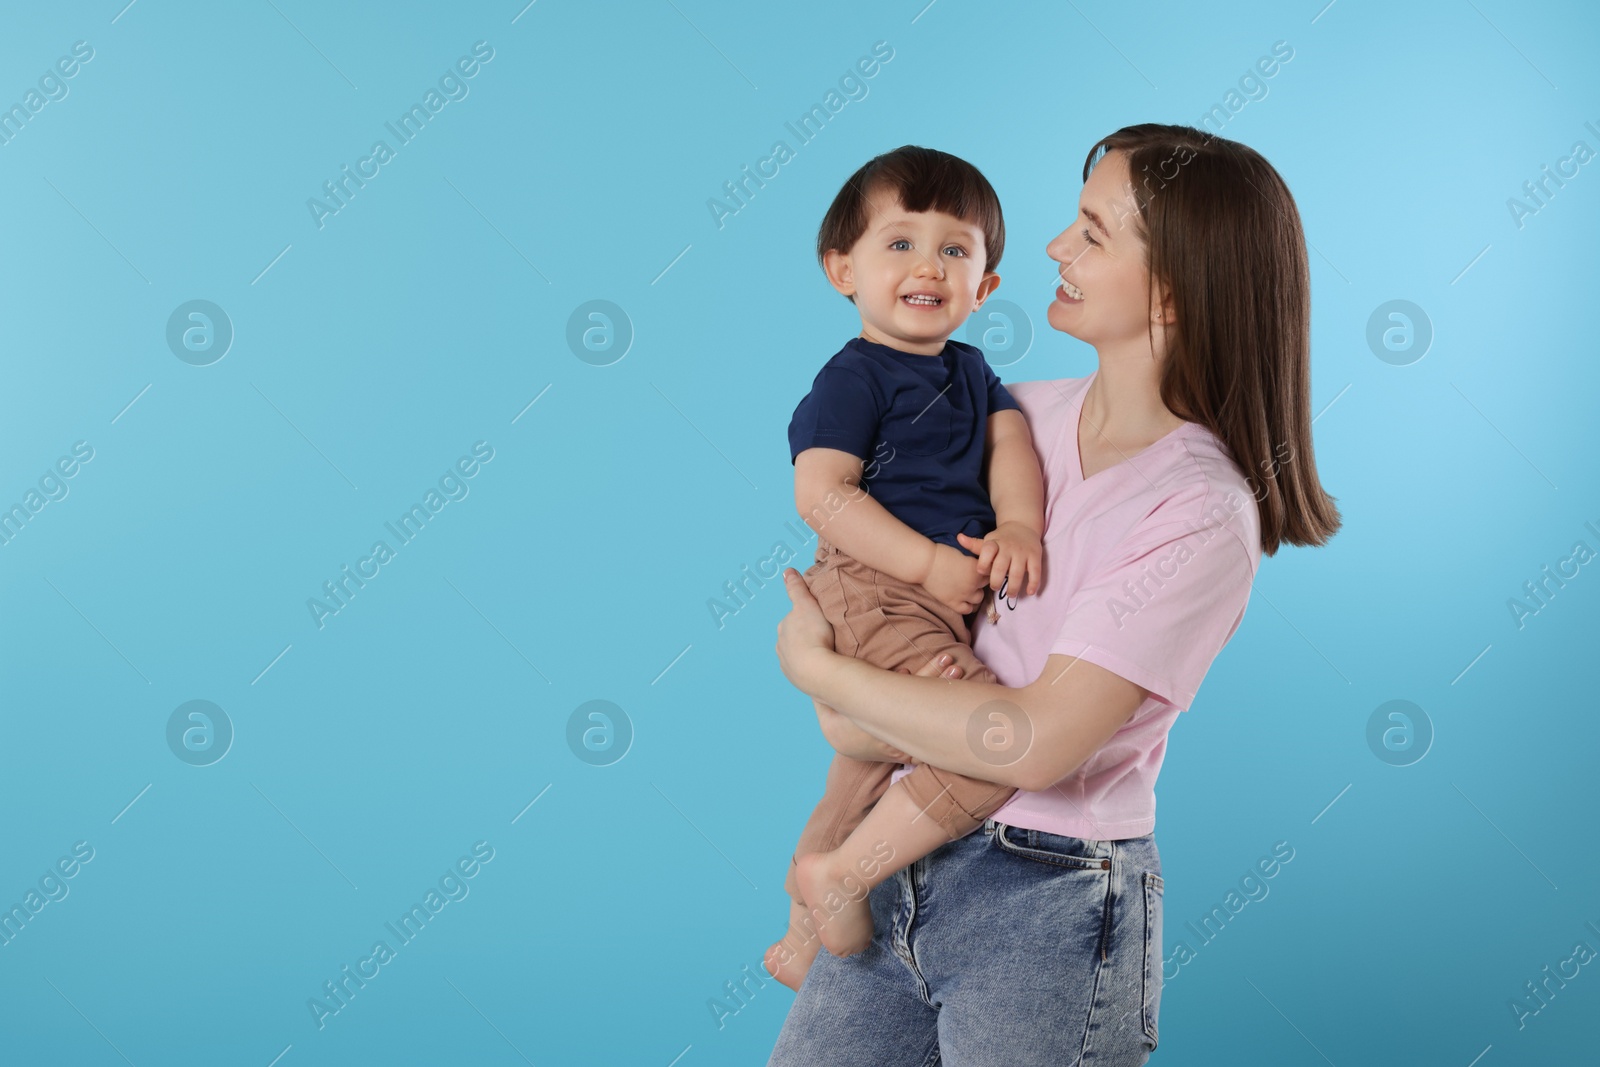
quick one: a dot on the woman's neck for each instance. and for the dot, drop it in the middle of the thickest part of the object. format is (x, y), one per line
(1123, 403)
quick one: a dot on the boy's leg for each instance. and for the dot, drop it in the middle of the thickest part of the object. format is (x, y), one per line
(852, 786)
(894, 834)
(955, 802)
(922, 811)
(846, 592)
(788, 958)
(893, 625)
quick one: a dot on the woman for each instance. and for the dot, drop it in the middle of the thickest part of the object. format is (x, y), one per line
(1168, 472)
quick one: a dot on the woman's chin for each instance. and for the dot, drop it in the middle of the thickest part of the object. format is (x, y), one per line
(1062, 317)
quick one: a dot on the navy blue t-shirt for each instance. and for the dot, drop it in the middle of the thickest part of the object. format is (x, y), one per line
(918, 423)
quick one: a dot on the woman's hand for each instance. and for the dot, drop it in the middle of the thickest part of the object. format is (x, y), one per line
(805, 637)
(940, 666)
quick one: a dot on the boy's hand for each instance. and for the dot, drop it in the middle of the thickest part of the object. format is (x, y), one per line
(1010, 557)
(955, 579)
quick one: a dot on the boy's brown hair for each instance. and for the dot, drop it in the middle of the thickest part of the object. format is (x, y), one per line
(925, 179)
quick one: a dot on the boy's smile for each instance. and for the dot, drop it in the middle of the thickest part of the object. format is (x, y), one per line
(915, 275)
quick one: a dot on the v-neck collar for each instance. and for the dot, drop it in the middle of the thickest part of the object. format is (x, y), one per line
(1077, 428)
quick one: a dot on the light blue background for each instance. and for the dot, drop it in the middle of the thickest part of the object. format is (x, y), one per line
(426, 315)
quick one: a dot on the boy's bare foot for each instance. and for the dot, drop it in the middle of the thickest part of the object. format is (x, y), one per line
(790, 956)
(838, 901)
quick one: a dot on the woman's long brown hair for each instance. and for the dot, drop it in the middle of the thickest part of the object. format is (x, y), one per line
(1223, 234)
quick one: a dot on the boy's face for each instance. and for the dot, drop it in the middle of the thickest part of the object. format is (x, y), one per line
(915, 275)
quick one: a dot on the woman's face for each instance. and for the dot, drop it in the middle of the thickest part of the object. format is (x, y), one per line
(1104, 298)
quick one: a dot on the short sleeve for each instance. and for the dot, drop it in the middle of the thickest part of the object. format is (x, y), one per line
(841, 411)
(1161, 607)
(1000, 398)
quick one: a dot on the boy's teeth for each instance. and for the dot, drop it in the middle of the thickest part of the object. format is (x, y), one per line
(930, 300)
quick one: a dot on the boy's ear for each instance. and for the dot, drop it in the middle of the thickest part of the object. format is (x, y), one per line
(836, 265)
(990, 282)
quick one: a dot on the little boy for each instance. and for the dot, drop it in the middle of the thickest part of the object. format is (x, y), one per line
(912, 239)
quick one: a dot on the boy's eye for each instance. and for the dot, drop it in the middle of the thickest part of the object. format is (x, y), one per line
(957, 249)
(900, 241)
(1086, 236)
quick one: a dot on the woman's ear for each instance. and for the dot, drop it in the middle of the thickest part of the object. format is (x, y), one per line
(1162, 310)
(836, 265)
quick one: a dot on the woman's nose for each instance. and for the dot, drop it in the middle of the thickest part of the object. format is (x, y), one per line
(1060, 248)
(1067, 247)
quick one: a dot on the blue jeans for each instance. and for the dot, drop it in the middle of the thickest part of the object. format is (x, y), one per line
(1007, 947)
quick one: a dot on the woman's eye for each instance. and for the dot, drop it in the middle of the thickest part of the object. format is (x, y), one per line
(1086, 236)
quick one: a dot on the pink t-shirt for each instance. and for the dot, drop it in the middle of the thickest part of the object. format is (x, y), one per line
(1148, 567)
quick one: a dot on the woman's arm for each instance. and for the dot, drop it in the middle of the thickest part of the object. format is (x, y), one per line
(848, 739)
(1056, 722)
